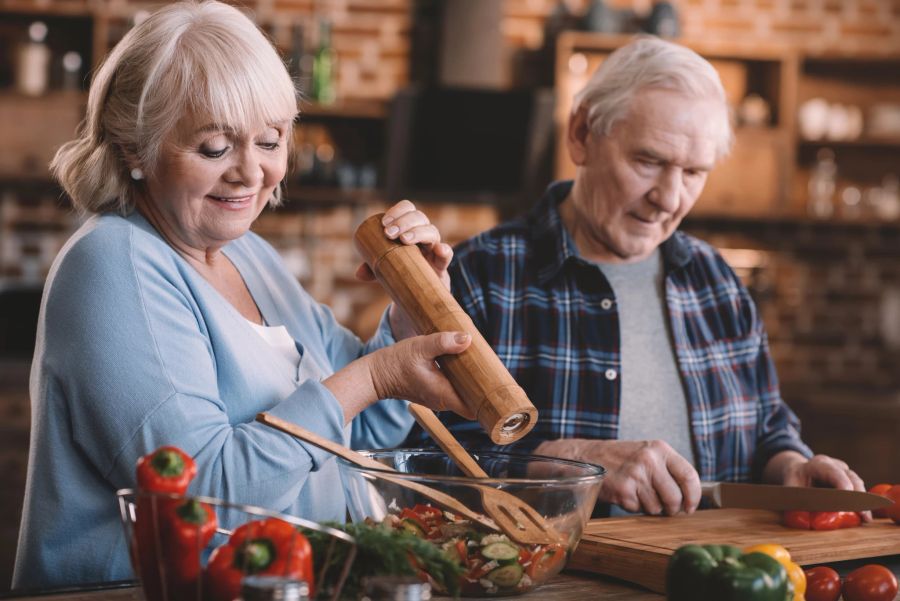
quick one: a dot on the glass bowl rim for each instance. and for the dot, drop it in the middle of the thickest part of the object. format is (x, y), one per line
(599, 470)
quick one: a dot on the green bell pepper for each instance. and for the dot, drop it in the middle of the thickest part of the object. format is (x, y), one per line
(725, 573)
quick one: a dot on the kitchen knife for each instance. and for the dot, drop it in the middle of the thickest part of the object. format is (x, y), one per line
(786, 498)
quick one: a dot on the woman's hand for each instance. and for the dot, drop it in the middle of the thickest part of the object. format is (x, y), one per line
(405, 370)
(405, 223)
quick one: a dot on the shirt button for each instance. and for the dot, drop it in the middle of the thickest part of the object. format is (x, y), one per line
(605, 304)
(610, 374)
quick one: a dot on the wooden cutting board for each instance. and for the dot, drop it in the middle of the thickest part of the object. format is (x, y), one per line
(637, 548)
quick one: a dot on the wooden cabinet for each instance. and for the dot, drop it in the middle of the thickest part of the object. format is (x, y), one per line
(849, 109)
(768, 171)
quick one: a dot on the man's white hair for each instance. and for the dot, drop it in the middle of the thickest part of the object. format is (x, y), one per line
(649, 62)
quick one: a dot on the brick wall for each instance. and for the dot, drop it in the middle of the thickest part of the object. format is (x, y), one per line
(812, 25)
(371, 39)
(827, 293)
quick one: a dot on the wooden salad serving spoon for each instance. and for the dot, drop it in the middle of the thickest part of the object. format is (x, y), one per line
(517, 519)
(384, 471)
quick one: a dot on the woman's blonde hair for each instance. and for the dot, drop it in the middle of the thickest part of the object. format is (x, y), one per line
(649, 62)
(205, 58)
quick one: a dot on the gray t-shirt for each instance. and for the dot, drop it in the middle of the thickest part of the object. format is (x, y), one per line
(653, 403)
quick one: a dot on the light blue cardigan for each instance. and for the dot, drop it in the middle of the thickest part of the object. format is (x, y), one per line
(136, 350)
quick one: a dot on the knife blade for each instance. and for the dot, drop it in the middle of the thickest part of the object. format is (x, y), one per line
(787, 498)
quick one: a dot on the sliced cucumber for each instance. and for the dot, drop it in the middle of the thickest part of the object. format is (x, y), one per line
(412, 527)
(506, 576)
(500, 551)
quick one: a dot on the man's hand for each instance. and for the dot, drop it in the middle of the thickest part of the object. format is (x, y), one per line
(647, 476)
(793, 469)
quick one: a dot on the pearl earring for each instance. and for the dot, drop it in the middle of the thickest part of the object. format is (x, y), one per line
(137, 174)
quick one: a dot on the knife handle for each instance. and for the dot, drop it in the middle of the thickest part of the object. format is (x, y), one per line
(712, 492)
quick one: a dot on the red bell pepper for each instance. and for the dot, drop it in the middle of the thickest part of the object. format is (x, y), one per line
(167, 470)
(188, 528)
(821, 520)
(267, 547)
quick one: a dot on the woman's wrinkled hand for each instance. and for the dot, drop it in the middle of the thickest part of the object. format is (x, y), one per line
(407, 370)
(408, 225)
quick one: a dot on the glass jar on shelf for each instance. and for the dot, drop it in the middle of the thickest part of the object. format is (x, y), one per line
(33, 62)
(885, 199)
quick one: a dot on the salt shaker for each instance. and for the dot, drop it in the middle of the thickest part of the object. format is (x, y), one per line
(273, 588)
(396, 588)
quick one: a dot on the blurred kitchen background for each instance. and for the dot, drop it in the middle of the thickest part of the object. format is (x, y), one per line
(458, 105)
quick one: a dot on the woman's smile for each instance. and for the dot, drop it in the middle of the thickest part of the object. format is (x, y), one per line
(233, 203)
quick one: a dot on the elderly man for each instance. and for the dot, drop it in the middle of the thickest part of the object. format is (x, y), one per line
(639, 346)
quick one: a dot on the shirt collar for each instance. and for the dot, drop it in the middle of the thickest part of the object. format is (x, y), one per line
(554, 245)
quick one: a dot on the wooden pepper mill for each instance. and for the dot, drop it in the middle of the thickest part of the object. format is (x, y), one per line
(479, 377)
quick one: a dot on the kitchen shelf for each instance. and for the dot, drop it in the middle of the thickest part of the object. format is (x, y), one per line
(788, 220)
(891, 143)
(56, 9)
(345, 109)
(300, 197)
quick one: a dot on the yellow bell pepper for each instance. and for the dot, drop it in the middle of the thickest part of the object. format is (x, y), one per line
(795, 573)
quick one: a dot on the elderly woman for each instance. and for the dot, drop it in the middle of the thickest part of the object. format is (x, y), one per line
(165, 321)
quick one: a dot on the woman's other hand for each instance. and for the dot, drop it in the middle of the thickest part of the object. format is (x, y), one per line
(405, 370)
(406, 224)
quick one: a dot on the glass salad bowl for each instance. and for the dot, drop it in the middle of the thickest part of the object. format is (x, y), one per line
(490, 564)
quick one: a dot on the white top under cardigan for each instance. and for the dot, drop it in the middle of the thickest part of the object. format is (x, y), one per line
(136, 350)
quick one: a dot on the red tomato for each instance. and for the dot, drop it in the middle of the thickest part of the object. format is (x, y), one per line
(850, 519)
(827, 520)
(796, 519)
(880, 489)
(822, 584)
(428, 511)
(870, 583)
(893, 511)
(463, 552)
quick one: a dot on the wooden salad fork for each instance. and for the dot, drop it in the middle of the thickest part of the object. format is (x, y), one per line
(441, 498)
(517, 519)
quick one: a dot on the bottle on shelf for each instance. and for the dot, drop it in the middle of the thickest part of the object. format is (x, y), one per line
(34, 61)
(302, 58)
(324, 66)
(822, 184)
(71, 64)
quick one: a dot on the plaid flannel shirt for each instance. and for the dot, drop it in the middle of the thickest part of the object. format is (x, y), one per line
(551, 317)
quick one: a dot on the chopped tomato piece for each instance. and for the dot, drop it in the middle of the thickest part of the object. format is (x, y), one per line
(546, 562)
(463, 551)
(427, 511)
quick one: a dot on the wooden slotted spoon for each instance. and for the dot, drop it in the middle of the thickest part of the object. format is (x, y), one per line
(439, 497)
(519, 521)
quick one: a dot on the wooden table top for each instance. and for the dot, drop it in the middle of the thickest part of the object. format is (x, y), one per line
(565, 587)
(568, 586)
